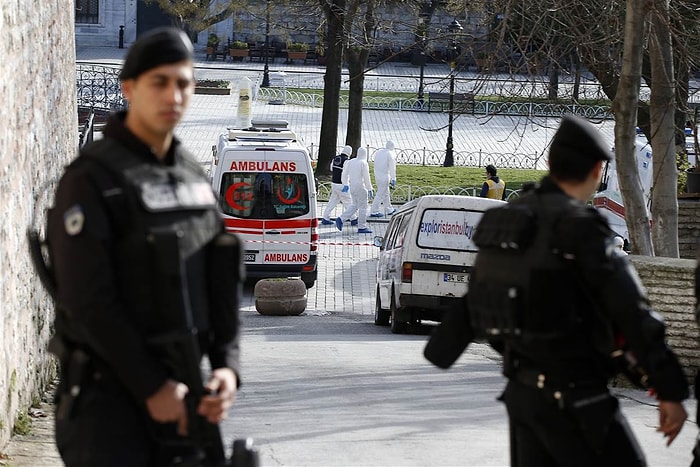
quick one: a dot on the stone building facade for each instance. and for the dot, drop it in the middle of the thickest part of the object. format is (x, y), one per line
(39, 136)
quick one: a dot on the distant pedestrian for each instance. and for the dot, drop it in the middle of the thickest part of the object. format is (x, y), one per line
(384, 176)
(494, 187)
(356, 180)
(337, 193)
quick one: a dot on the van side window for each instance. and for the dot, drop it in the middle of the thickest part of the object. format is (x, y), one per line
(397, 231)
(401, 231)
(264, 195)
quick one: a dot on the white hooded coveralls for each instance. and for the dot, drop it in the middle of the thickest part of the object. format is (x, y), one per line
(384, 172)
(356, 175)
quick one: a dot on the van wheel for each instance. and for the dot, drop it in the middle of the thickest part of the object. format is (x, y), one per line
(381, 317)
(309, 278)
(397, 327)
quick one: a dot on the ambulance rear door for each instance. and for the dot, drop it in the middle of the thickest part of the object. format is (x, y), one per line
(266, 196)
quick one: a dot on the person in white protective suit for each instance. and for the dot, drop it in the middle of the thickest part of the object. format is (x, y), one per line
(356, 180)
(337, 193)
(384, 176)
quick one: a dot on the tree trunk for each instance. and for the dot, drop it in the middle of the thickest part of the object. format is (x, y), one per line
(625, 109)
(356, 60)
(664, 229)
(328, 139)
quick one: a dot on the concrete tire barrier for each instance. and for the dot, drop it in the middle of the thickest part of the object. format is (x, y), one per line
(280, 296)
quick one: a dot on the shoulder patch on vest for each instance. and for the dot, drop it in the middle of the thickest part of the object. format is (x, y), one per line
(73, 220)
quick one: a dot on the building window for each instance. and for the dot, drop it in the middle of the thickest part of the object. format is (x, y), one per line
(87, 11)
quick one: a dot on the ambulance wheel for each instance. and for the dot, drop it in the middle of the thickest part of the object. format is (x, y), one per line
(309, 278)
(397, 327)
(381, 317)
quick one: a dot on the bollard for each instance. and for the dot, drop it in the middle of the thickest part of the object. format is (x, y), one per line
(121, 36)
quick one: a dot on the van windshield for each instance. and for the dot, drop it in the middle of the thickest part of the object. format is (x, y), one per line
(448, 229)
(264, 195)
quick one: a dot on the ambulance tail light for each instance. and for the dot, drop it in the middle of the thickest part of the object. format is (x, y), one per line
(407, 272)
(314, 235)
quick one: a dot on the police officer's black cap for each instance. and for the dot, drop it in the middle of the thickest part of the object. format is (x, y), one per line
(157, 47)
(577, 137)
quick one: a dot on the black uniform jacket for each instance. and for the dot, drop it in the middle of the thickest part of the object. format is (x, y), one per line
(90, 277)
(602, 285)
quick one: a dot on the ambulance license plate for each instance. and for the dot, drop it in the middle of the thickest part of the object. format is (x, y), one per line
(249, 257)
(461, 278)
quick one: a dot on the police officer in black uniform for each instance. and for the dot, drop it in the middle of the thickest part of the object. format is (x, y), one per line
(566, 310)
(137, 248)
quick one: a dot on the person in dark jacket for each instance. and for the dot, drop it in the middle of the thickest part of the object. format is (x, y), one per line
(565, 308)
(494, 187)
(136, 243)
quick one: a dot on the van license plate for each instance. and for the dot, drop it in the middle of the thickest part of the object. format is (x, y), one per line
(249, 257)
(448, 277)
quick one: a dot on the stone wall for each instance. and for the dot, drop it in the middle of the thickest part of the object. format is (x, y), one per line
(670, 285)
(688, 227)
(39, 135)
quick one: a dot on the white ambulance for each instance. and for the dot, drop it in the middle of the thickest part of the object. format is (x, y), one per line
(426, 257)
(267, 194)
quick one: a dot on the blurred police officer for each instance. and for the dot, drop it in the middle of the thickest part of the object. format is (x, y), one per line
(552, 294)
(117, 207)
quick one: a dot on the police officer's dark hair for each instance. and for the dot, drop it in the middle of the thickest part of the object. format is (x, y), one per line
(491, 170)
(575, 149)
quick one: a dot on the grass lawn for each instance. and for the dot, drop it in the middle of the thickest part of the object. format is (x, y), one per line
(435, 176)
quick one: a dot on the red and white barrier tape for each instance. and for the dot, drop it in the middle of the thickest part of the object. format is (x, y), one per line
(308, 243)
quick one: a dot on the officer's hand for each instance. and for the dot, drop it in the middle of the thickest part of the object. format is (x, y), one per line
(393, 183)
(345, 189)
(672, 415)
(222, 386)
(168, 405)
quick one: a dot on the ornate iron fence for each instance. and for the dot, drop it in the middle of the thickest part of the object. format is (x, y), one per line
(529, 109)
(98, 86)
(434, 157)
(404, 193)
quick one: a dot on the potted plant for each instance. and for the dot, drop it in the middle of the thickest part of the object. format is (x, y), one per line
(297, 50)
(212, 44)
(218, 87)
(238, 50)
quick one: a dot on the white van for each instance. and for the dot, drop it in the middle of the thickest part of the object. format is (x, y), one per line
(426, 257)
(267, 194)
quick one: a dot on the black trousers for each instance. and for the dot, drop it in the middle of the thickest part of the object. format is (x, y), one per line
(545, 434)
(106, 427)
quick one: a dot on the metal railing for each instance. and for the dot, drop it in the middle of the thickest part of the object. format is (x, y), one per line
(479, 107)
(434, 157)
(404, 193)
(99, 86)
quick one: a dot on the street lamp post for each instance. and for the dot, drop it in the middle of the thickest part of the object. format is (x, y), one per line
(266, 71)
(422, 69)
(454, 29)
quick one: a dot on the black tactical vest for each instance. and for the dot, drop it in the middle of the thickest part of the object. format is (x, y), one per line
(164, 216)
(523, 292)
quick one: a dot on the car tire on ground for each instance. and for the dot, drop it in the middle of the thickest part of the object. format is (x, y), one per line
(381, 317)
(397, 327)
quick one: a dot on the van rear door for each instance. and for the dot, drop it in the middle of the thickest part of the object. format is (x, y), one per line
(445, 251)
